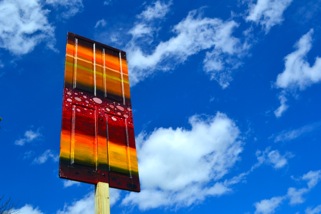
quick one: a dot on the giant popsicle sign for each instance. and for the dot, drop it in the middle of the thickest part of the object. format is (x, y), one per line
(97, 138)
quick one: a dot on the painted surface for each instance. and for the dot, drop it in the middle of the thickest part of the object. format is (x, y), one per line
(97, 137)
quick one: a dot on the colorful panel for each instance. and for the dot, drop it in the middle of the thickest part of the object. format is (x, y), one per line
(97, 141)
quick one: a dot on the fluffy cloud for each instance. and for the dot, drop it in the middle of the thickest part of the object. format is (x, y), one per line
(155, 11)
(268, 206)
(100, 23)
(226, 54)
(69, 183)
(283, 105)
(44, 157)
(192, 35)
(70, 7)
(312, 178)
(147, 22)
(268, 13)
(86, 205)
(29, 136)
(273, 158)
(316, 210)
(23, 25)
(298, 73)
(296, 133)
(180, 167)
(27, 209)
(294, 195)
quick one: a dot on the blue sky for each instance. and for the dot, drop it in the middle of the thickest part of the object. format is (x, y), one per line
(225, 95)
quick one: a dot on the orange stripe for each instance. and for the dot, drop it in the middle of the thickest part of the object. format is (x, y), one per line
(117, 154)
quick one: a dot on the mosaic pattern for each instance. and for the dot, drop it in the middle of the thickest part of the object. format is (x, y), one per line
(97, 137)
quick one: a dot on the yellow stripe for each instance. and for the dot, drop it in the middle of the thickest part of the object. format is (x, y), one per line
(98, 73)
(90, 62)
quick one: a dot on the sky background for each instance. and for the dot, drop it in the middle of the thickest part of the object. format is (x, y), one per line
(225, 94)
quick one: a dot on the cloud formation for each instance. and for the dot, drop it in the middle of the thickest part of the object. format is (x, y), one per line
(283, 105)
(180, 167)
(298, 73)
(315, 210)
(273, 158)
(268, 206)
(192, 35)
(23, 25)
(157, 10)
(69, 183)
(268, 13)
(26, 209)
(293, 134)
(293, 195)
(69, 7)
(29, 136)
(86, 205)
(44, 157)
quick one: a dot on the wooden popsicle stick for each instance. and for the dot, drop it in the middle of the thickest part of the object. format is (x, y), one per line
(102, 203)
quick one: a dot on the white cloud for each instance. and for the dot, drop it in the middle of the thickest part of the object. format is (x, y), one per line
(268, 13)
(296, 133)
(273, 158)
(69, 183)
(86, 205)
(140, 29)
(148, 22)
(313, 178)
(71, 7)
(44, 157)
(192, 35)
(315, 210)
(29, 136)
(180, 167)
(224, 57)
(114, 196)
(26, 209)
(298, 73)
(296, 195)
(155, 11)
(283, 106)
(100, 23)
(268, 206)
(23, 25)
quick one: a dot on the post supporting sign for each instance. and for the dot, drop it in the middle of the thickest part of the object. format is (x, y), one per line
(97, 143)
(102, 201)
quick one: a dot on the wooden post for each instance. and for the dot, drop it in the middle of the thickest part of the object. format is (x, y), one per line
(102, 204)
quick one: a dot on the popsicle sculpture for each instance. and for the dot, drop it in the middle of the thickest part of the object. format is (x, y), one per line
(97, 141)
